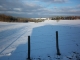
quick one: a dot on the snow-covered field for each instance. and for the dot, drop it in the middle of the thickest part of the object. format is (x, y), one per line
(14, 40)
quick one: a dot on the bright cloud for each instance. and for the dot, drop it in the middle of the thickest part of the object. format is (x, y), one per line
(18, 9)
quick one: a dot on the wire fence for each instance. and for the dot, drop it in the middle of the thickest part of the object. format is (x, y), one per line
(42, 42)
(49, 41)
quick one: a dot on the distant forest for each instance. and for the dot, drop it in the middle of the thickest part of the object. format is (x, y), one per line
(6, 18)
(65, 18)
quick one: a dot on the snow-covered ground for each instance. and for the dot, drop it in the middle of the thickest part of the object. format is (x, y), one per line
(14, 40)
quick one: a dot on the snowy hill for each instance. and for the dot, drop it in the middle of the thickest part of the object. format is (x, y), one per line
(14, 40)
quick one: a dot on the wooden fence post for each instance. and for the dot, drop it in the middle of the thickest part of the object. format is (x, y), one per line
(28, 48)
(57, 46)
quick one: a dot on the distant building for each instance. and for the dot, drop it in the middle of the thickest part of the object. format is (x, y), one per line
(41, 18)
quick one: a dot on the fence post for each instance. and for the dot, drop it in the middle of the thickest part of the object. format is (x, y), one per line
(28, 48)
(57, 46)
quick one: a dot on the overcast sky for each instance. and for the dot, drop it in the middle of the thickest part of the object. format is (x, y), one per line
(40, 8)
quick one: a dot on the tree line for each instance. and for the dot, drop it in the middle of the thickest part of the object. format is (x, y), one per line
(7, 18)
(65, 18)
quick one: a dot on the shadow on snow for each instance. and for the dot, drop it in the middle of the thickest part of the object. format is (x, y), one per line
(43, 41)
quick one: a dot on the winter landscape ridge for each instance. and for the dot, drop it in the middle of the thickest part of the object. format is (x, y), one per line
(14, 40)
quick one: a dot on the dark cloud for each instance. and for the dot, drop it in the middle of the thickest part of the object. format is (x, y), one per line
(16, 6)
(27, 8)
(52, 1)
(55, 1)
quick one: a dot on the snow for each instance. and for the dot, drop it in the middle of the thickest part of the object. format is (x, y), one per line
(14, 40)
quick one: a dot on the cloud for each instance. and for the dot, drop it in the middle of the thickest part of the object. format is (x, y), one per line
(54, 1)
(36, 8)
(18, 9)
(78, 6)
(12, 5)
(0, 6)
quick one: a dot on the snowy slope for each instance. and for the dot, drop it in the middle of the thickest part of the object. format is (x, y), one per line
(14, 38)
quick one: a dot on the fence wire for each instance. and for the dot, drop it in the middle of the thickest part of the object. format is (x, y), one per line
(42, 40)
(47, 42)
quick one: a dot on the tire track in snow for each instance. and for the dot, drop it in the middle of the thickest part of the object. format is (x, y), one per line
(12, 35)
(19, 35)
